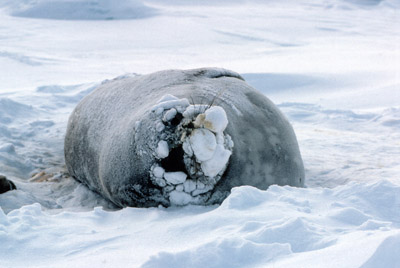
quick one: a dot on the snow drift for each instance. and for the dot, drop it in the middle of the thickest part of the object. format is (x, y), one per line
(356, 225)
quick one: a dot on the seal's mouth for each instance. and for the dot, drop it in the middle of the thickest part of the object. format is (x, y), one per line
(191, 150)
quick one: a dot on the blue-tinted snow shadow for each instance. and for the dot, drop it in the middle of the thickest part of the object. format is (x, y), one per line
(82, 10)
(276, 82)
(25, 59)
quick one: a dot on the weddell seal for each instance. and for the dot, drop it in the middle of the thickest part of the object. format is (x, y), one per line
(179, 137)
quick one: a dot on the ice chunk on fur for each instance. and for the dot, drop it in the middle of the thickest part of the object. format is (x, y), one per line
(217, 163)
(193, 110)
(169, 115)
(205, 189)
(158, 172)
(162, 149)
(187, 148)
(200, 185)
(203, 143)
(167, 97)
(169, 188)
(171, 104)
(175, 177)
(159, 110)
(215, 119)
(189, 186)
(180, 198)
(160, 126)
(161, 182)
(229, 141)
(220, 138)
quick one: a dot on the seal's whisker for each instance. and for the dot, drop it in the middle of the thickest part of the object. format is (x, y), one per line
(215, 97)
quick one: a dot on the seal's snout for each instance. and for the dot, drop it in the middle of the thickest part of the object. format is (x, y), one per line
(191, 149)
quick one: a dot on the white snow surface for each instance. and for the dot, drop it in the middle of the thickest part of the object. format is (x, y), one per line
(332, 67)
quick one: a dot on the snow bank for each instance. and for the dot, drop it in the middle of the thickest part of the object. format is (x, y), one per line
(355, 225)
(80, 9)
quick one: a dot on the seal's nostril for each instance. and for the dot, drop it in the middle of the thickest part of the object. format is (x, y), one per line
(174, 161)
(177, 119)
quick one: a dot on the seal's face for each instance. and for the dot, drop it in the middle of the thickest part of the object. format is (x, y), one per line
(192, 150)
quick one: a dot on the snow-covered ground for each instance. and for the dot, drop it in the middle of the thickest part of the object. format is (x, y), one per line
(332, 67)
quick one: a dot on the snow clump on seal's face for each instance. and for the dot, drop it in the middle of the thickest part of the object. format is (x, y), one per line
(192, 151)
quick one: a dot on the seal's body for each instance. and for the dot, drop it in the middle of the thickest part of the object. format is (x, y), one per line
(179, 137)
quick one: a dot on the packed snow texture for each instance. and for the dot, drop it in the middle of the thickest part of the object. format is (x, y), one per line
(331, 66)
(355, 225)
